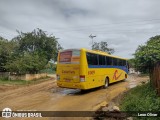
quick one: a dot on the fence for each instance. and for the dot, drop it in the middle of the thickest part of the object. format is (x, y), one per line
(156, 77)
(4, 75)
(7, 75)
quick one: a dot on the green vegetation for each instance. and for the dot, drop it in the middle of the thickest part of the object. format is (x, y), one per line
(28, 52)
(4, 81)
(102, 46)
(6, 48)
(144, 97)
(49, 71)
(143, 74)
(141, 98)
(131, 63)
(14, 82)
(147, 55)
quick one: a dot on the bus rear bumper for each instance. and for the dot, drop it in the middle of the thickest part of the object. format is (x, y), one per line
(71, 85)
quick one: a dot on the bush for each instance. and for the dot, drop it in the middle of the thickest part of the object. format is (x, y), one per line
(141, 98)
(3, 78)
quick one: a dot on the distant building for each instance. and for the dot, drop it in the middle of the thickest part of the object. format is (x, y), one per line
(133, 71)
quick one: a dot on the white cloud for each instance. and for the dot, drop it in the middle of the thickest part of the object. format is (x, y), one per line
(124, 24)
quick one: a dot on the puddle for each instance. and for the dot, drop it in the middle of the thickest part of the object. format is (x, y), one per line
(70, 91)
(132, 85)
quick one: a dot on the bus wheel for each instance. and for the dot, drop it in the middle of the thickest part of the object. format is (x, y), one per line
(106, 83)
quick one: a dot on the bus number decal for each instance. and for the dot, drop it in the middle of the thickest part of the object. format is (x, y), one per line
(91, 72)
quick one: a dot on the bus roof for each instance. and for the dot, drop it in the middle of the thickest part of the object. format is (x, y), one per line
(95, 51)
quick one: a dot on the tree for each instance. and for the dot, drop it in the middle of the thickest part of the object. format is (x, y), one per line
(102, 46)
(132, 63)
(147, 55)
(38, 41)
(26, 63)
(34, 50)
(6, 49)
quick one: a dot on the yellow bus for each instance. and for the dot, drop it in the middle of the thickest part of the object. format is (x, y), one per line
(85, 69)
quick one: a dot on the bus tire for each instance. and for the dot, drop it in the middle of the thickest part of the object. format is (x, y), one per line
(83, 91)
(106, 83)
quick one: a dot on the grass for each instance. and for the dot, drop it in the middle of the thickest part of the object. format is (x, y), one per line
(15, 82)
(141, 98)
(143, 74)
(4, 81)
(49, 71)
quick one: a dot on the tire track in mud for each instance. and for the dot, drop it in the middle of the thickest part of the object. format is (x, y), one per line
(28, 90)
(48, 97)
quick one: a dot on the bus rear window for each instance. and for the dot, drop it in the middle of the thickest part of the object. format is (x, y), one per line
(70, 56)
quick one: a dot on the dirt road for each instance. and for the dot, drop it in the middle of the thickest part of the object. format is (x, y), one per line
(46, 96)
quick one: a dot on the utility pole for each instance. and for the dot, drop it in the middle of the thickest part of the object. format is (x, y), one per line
(92, 36)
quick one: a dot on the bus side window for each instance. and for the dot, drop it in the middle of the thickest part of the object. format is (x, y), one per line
(120, 62)
(101, 59)
(108, 61)
(95, 59)
(92, 59)
(124, 63)
(89, 58)
(115, 61)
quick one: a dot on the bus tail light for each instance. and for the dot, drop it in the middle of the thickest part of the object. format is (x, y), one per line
(82, 78)
(58, 77)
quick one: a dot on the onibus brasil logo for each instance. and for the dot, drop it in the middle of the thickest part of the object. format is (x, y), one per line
(7, 113)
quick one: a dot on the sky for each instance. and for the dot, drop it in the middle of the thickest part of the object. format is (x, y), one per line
(123, 24)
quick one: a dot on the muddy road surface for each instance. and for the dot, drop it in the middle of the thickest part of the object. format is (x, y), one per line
(46, 96)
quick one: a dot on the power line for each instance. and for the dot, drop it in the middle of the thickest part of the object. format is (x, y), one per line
(114, 33)
(120, 31)
(102, 25)
(84, 30)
